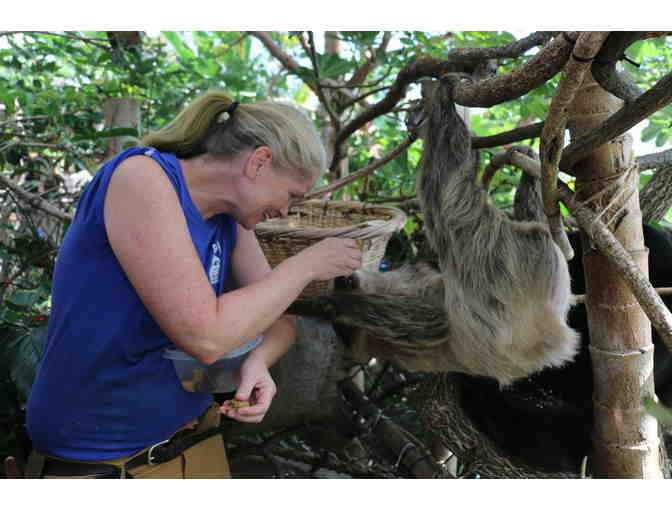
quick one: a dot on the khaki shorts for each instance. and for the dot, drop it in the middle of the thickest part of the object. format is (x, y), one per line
(206, 459)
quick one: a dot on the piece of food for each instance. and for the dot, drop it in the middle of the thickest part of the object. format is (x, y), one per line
(236, 404)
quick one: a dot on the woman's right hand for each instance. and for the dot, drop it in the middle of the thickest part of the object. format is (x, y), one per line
(330, 258)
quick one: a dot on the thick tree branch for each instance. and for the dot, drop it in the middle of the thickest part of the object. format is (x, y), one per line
(484, 93)
(553, 134)
(537, 71)
(513, 136)
(656, 195)
(659, 160)
(512, 50)
(654, 99)
(604, 67)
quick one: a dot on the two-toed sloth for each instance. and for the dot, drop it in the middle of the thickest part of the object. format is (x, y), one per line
(498, 304)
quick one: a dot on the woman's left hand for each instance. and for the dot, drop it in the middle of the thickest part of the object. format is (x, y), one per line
(255, 386)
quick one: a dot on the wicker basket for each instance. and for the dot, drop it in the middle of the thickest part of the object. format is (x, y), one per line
(311, 221)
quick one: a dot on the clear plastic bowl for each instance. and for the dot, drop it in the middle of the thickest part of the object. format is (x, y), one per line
(215, 378)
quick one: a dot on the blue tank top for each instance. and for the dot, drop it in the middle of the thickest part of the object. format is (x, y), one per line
(103, 389)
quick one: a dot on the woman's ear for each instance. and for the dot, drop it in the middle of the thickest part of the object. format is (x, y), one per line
(261, 157)
(258, 158)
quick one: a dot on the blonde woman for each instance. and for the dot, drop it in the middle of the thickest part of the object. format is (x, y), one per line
(142, 270)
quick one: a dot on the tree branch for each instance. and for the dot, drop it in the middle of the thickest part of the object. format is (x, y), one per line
(33, 199)
(487, 92)
(512, 50)
(513, 136)
(604, 240)
(610, 247)
(422, 67)
(656, 195)
(363, 71)
(553, 134)
(66, 35)
(538, 70)
(364, 171)
(657, 97)
(660, 160)
(604, 67)
(288, 62)
(335, 121)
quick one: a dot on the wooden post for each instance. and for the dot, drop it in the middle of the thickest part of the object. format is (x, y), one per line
(626, 443)
(120, 112)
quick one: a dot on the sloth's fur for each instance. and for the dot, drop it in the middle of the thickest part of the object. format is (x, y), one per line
(497, 306)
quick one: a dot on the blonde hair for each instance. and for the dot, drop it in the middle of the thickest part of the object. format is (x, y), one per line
(202, 128)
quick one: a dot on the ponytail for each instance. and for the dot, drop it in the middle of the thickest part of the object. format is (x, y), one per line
(215, 124)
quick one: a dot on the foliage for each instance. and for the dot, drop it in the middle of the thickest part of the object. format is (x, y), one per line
(53, 135)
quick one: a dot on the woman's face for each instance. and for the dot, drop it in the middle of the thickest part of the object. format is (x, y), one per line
(273, 193)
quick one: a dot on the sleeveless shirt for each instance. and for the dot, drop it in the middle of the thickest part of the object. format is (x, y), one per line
(103, 388)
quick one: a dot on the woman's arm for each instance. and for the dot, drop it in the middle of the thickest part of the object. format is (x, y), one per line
(148, 233)
(249, 265)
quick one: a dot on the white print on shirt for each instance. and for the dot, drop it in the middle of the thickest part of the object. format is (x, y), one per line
(215, 264)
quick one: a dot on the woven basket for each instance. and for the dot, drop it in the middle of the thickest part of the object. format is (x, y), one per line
(313, 220)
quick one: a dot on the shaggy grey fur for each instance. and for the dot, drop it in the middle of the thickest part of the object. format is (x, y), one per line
(498, 305)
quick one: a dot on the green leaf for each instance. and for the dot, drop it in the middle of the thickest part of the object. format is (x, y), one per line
(649, 132)
(333, 66)
(24, 298)
(182, 49)
(661, 138)
(25, 354)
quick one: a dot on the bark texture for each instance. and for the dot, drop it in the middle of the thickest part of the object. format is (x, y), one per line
(626, 443)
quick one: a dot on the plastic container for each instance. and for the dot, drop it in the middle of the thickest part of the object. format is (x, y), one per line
(215, 378)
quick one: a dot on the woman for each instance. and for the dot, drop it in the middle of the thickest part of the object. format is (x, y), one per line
(142, 269)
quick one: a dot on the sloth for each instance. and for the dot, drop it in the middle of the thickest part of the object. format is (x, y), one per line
(497, 303)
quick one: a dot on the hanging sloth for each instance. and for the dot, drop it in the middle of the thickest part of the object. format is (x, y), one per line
(498, 304)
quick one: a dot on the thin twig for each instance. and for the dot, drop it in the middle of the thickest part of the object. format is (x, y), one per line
(67, 35)
(318, 87)
(363, 96)
(364, 171)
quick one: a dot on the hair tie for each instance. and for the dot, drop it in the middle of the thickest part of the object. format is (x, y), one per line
(228, 113)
